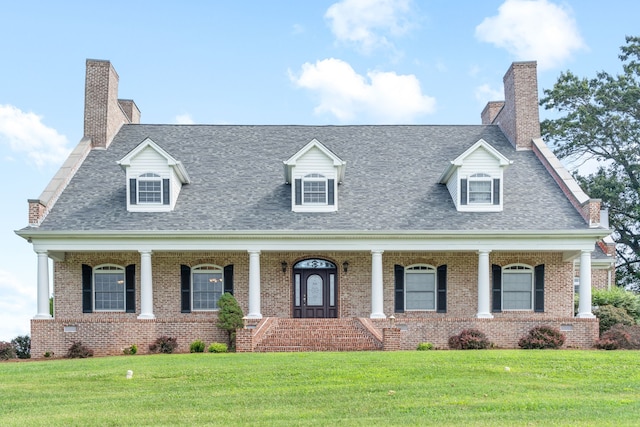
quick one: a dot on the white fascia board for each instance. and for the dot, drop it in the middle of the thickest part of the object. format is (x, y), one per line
(458, 161)
(568, 242)
(314, 143)
(179, 168)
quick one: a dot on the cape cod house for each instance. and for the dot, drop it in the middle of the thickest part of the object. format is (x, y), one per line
(330, 237)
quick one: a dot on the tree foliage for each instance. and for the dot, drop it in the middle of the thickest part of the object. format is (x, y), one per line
(600, 120)
(230, 317)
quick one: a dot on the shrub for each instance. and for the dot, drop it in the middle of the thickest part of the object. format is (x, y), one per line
(196, 347)
(423, 346)
(610, 315)
(618, 297)
(620, 337)
(22, 346)
(78, 351)
(164, 344)
(6, 351)
(541, 337)
(218, 347)
(469, 339)
(48, 354)
(230, 317)
(131, 350)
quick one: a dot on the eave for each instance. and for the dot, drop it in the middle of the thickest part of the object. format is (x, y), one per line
(570, 242)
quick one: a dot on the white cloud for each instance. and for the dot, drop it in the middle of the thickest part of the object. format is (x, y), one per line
(533, 30)
(368, 23)
(17, 306)
(183, 119)
(485, 93)
(384, 97)
(25, 133)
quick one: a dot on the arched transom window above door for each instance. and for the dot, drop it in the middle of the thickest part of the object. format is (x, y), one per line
(314, 263)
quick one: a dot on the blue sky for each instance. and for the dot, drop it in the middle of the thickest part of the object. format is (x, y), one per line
(267, 62)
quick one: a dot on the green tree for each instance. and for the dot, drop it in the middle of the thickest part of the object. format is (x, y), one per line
(599, 119)
(230, 317)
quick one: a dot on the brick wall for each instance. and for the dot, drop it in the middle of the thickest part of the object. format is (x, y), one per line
(503, 333)
(109, 332)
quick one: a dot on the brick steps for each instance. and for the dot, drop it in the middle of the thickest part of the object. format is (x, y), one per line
(291, 335)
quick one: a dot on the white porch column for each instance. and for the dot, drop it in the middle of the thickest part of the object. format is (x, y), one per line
(43, 286)
(584, 305)
(146, 286)
(254, 285)
(377, 294)
(484, 290)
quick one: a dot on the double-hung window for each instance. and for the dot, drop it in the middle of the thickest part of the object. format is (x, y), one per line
(207, 287)
(420, 287)
(150, 188)
(480, 189)
(109, 288)
(517, 287)
(314, 189)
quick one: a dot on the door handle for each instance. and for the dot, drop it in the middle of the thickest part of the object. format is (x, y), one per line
(304, 299)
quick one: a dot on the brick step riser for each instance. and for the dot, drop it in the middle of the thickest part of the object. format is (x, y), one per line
(317, 335)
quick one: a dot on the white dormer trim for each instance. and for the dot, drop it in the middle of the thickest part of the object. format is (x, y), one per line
(314, 173)
(290, 163)
(154, 178)
(176, 165)
(475, 178)
(459, 161)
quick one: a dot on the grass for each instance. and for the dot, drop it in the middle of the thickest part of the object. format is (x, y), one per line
(572, 388)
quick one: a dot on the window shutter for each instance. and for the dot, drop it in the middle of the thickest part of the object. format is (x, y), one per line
(133, 199)
(442, 289)
(399, 288)
(496, 271)
(496, 191)
(185, 288)
(538, 280)
(330, 191)
(166, 200)
(228, 279)
(87, 276)
(298, 190)
(130, 293)
(463, 191)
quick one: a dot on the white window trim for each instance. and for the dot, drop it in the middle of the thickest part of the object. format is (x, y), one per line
(480, 177)
(421, 269)
(315, 177)
(149, 177)
(109, 269)
(481, 207)
(518, 269)
(202, 269)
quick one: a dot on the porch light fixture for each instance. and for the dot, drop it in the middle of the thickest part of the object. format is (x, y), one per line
(284, 266)
(345, 266)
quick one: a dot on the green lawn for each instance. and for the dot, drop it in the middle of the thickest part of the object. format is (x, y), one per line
(572, 388)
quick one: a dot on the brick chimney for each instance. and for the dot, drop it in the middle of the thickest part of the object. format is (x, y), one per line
(518, 116)
(104, 113)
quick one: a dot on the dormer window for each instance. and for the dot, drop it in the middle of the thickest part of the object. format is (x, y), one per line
(314, 173)
(474, 179)
(153, 178)
(150, 189)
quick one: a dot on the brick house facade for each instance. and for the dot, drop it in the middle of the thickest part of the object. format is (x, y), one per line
(430, 230)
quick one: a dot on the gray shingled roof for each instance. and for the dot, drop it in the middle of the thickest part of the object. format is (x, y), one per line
(391, 181)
